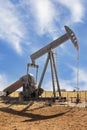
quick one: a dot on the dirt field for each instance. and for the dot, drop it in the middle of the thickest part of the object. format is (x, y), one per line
(41, 116)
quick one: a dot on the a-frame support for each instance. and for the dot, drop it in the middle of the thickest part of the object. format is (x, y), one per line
(50, 58)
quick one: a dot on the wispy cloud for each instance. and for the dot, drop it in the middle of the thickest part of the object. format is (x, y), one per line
(64, 84)
(49, 16)
(78, 79)
(11, 28)
(45, 15)
(75, 8)
(3, 81)
(73, 82)
(41, 17)
(82, 80)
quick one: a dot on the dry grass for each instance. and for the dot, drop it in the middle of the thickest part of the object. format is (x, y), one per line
(67, 94)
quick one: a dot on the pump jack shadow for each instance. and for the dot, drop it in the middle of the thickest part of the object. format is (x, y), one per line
(38, 117)
(33, 117)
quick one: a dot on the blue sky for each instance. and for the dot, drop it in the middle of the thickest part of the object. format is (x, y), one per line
(28, 25)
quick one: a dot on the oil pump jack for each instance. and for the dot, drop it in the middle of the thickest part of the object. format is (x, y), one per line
(29, 86)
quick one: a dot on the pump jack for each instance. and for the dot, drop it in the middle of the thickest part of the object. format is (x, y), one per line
(49, 49)
(24, 81)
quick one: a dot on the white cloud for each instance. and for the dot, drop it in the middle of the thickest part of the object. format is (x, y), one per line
(11, 28)
(47, 86)
(64, 84)
(49, 16)
(41, 16)
(44, 15)
(71, 83)
(82, 77)
(78, 79)
(76, 9)
(3, 81)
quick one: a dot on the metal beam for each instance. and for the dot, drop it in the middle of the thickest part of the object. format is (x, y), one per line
(55, 70)
(50, 46)
(69, 35)
(43, 73)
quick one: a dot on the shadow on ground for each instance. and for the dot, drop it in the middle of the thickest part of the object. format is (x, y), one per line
(32, 116)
